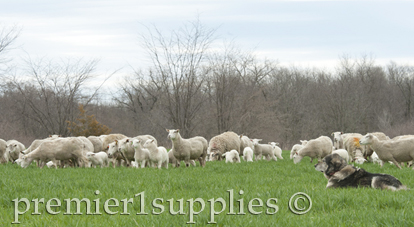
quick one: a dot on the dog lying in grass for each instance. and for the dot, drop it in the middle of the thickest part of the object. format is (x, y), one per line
(341, 175)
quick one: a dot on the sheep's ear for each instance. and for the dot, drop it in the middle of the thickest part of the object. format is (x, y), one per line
(93, 154)
(152, 141)
(127, 140)
(260, 140)
(60, 135)
(167, 130)
(22, 152)
(178, 130)
(107, 147)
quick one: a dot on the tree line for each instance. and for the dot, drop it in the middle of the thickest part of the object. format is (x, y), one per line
(204, 90)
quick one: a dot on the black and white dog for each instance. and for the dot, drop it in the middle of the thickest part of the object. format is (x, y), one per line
(341, 175)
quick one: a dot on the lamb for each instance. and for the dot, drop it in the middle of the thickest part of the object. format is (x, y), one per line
(276, 149)
(98, 159)
(343, 153)
(13, 150)
(295, 149)
(263, 150)
(3, 145)
(222, 143)
(157, 155)
(232, 156)
(376, 160)
(97, 143)
(187, 149)
(395, 151)
(57, 149)
(248, 154)
(141, 155)
(316, 148)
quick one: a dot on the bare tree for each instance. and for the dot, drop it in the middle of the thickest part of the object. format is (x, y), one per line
(178, 71)
(403, 78)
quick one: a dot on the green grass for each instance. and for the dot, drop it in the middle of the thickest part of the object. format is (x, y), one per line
(264, 180)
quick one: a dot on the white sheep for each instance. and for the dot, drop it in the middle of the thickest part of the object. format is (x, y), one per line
(98, 159)
(113, 154)
(376, 160)
(316, 148)
(248, 154)
(13, 150)
(245, 142)
(57, 149)
(276, 149)
(141, 155)
(395, 151)
(107, 139)
(126, 149)
(368, 149)
(157, 155)
(295, 149)
(263, 150)
(3, 157)
(338, 140)
(343, 153)
(222, 143)
(189, 149)
(134, 164)
(352, 145)
(97, 143)
(232, 156)
(174, 162)
(303, 142)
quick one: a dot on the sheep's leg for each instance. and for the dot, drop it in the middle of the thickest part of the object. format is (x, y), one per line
(166, 164)
(192, 162)
(142, 164)
(159, 164)
(311, 160)
(396, 163)
(274, 157)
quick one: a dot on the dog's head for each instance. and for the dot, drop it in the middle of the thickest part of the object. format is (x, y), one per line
(331, 164)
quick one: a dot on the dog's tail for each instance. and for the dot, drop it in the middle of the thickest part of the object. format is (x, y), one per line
(403, 187)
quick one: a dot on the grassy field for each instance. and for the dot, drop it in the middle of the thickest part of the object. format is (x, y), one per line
(272, 182)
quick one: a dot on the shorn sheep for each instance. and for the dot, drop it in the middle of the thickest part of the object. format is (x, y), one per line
(263, 150)
(232, 156)
(188, 149)
(157, 155)
(396, 151)
(316, 148)
(13, 150)
(222, 143)
(248, 154)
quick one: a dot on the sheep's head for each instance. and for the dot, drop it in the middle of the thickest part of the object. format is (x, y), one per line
(25, 161)
(112, 148)
(149, 143)
(297, 158)
(135, 143)
(274, 144)
(89, 155)
(367, 139)
(256, 141)
(173, 133)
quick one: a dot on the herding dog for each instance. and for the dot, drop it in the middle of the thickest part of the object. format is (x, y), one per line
(342, 175)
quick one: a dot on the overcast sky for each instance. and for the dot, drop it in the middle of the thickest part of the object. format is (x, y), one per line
(300, 33)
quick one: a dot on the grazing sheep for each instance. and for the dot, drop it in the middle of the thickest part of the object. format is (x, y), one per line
(248, 154)
(189, 149)
(352, 145)
(98, 159)
(276, 149)
(141, 155)
(3, 146)
(338, 140)
(57, 149)
(157, 155)
(343, 153)
(316, 148)
(97, 143)
(295, 149)
(222, 143)
(232, 156)
(395, 151)
(263, 150)
(13, 150)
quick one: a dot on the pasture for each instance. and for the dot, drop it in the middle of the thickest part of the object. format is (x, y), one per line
(272, 182)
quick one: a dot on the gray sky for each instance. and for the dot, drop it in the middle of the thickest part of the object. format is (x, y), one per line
(300, 33)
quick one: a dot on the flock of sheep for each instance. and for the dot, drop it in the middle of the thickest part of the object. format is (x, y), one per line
(143, 151)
